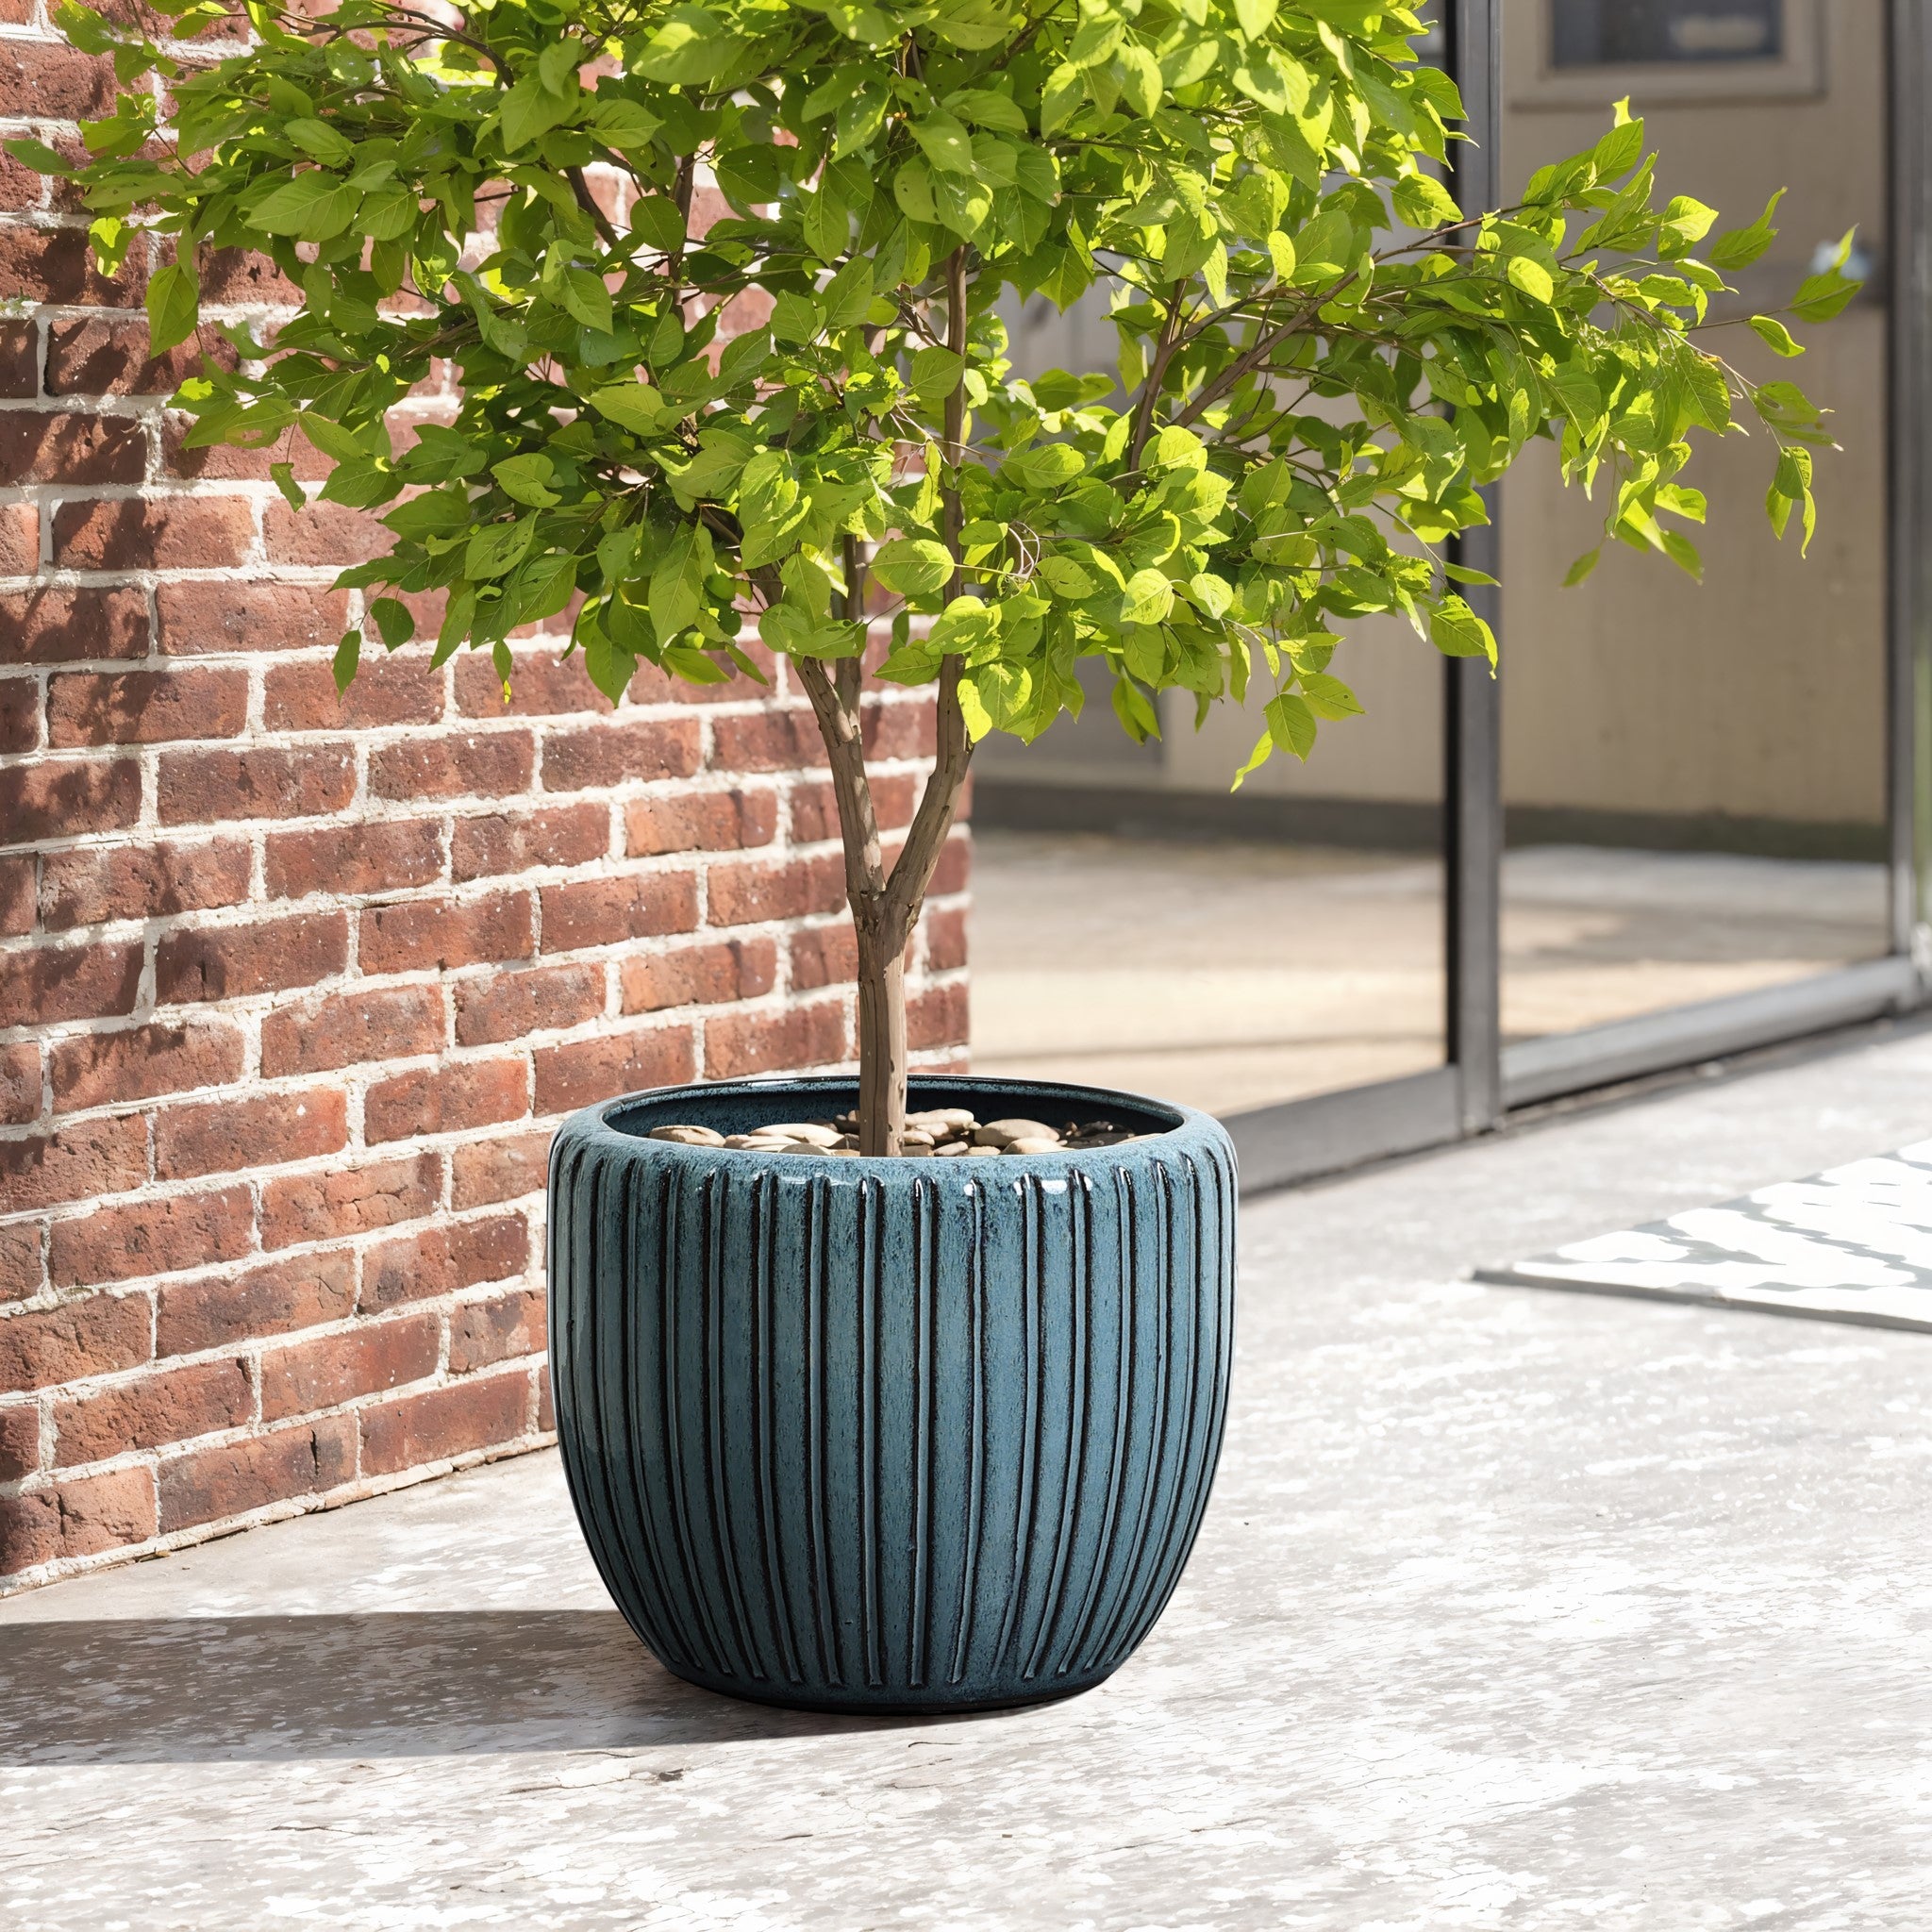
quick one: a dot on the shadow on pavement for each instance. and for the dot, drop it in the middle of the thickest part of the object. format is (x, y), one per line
(219, 1689)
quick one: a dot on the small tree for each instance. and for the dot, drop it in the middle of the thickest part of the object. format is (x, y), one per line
(1321, 356)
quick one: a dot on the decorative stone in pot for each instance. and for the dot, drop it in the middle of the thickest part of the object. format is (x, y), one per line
(890, 1435)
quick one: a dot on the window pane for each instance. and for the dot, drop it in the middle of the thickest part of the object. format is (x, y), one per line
(1608, 33)
(1694, 775)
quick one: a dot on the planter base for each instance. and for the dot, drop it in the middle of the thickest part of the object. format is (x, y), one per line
(908, 1436)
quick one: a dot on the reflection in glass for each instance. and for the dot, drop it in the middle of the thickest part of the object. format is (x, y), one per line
(1609, 33)
(1694, 773)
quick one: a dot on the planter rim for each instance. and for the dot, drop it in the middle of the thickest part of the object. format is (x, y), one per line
(627, 1119)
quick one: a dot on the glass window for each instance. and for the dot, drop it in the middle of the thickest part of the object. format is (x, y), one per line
(1613, 33)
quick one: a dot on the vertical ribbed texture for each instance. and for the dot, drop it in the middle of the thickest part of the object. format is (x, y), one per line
(895, 1435)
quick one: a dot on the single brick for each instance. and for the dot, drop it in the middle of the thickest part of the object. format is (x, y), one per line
(445, 933)
(70, 448)
(92, 1337)
(153, 1238)
(20, 539)
(80, 1518)
(815, 812)
(938, 1017)
(137, 1063)
(620, 754)
(56, 265)
(167, 1406)
(20, 357)
(261, 782)
(240, 275)
(334, 1368)
(485, 1172)
(321, 534)
(200, 618)
(18, 904)
(64, 798)
(768, 740)
(45, 626)
(700, 822)
(80, 982)
(443, 1258)
(20, 1442)
(596, 912)
(445, 1099)
(20, 714)
(22, 1273)
(776, 889)
(145, 706)
(302, 1291)
(442, 1423)
(898, 730)
(19, 1083)
(77, 1160)
(582, 1070)
(90, 885)
(109, 356)
(210, 1485)
(378, 855)
(945, 940)
(247, 1132)
(46, 81)
(386, 690)
(740, 1044)
(506, 843)
(479, 764)
(824, 956)
(349, 1027)
(543, 684)
(154, 533)
(699, 975)
(229, 961)
(955, 870)
(481, 1333)
(348, 1200)
(508, 1006)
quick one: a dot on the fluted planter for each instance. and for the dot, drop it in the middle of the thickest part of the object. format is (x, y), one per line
(890, 1435)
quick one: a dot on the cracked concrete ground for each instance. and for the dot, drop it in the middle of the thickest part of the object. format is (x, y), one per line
(1512, 1609)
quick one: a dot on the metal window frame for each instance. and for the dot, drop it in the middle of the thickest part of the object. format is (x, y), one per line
(1483, 1078)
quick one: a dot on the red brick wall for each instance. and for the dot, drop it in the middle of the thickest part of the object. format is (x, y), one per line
(293, 991)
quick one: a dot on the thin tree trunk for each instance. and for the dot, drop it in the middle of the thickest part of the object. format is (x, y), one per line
(881, 1043)
(885, 908)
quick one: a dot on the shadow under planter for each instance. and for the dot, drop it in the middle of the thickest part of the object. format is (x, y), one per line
(907, 1435)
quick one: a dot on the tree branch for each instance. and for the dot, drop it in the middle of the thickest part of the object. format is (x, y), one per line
(587, 202)
(1150, 388)
(859, 825)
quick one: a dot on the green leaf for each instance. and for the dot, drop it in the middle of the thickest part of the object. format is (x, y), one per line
(348, 654)
(392, 622)
(1290, 723)
(1147, 598)
(1457, 631)
(944, 142)
(525, 479)
(37, 156)
(1770, 330)
(318, 140)
(496, 549)
(692, 46)
(1328, 698)
(935, 374)
(1532, 277)
(283, 477)
(633, 405)
(315, 207)
(1740, 247)
(913, 566)
(174, 305)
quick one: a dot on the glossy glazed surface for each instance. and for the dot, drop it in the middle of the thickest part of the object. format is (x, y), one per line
(890, 1434)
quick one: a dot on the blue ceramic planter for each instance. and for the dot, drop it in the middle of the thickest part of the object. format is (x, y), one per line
(890, 1435)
